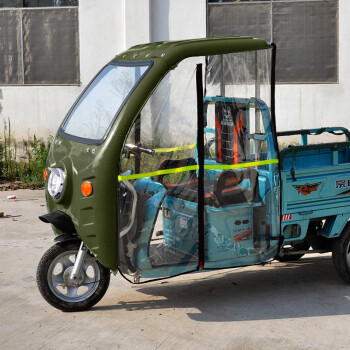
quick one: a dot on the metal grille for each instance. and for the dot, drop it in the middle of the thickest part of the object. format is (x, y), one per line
(305, 32)
(39, 46)
(10, 47)
(50, 40)
(49, 3)
(11, 3)
(240, 19)
(37, 3)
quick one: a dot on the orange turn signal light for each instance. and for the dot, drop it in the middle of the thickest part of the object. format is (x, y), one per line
(45, 173)
(86, 188)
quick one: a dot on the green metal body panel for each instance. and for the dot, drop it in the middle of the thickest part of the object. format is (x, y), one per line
(95, 217)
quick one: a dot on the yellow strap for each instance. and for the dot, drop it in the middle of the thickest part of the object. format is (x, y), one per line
(173, 149)
(159, 172)
(242, 165)
(196, 167)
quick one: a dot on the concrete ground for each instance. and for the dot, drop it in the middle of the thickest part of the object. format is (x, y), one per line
(301, 305)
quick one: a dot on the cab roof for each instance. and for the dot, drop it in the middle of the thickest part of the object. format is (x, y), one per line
(175, 51)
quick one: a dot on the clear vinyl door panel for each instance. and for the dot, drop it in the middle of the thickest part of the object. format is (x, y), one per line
(241, 165)
(237, 166)
(158, 184)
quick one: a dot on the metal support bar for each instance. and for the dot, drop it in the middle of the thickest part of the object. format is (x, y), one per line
(79, 261)
(298, 252)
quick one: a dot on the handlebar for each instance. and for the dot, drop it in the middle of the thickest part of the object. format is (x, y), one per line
(136, 150)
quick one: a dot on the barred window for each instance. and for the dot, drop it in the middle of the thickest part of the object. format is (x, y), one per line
(39, 46)
(305, 32)
(37, 3)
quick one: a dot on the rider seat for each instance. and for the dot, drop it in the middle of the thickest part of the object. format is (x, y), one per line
(224, 190)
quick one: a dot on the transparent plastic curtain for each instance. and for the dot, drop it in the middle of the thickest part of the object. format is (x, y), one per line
(158, 184)
(159, 181)
(242, 202)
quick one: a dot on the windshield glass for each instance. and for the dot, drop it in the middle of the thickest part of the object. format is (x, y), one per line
(98, 106)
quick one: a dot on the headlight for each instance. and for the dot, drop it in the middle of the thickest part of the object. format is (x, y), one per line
(56, 182)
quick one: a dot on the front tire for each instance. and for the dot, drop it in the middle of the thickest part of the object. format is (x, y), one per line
(59, 290)
(341, 255)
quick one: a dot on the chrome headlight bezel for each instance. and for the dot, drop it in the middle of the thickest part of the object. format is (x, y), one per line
(56, 182)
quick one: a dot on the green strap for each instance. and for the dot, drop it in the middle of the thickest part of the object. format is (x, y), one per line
(196, 167)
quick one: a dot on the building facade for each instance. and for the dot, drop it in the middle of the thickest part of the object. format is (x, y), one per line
(51, 49)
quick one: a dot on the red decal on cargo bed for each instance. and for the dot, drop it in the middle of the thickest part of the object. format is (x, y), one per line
(286, 217)
(244, 236)
(307, 188)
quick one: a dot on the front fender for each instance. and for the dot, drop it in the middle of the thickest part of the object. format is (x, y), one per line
(60, 220)
(65, 237)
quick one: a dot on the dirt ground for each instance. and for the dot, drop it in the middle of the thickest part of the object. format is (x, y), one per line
(302, 305)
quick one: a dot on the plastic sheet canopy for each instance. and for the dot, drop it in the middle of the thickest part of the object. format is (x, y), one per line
(159, 226)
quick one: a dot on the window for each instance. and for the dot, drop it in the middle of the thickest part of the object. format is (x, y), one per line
(96, 109)
(37, 3)
(40, 46)
(305, 32)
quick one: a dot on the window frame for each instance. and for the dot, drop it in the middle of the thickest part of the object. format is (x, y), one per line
(93, 142)
(271, 39)
(21, 48)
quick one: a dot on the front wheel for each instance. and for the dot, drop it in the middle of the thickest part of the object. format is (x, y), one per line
(341, 255)
(64, 293)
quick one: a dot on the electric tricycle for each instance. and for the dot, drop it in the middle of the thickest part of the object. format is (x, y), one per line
(168, 163)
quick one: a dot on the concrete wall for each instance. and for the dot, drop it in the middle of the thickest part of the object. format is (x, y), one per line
(108, 27)
(40, 109)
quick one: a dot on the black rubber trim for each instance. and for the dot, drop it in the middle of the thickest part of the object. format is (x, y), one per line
(192, 271)
(60, 220)
(200, 150)
(273, 97)
(274, 130)
(154, 279)
(65, 237)
(137, 142)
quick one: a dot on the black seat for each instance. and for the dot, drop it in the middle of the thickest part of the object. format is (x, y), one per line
(174, 163)
(224, 190)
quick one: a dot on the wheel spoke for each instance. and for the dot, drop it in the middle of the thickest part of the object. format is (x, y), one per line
(66, 262)
(89, 281)
(72, 292)
(348, 259)
(86, 265)
(57, 280)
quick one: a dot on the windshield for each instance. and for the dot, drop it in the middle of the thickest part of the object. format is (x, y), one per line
(97, 108)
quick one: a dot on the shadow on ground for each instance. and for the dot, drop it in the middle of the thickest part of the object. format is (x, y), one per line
(307, 288)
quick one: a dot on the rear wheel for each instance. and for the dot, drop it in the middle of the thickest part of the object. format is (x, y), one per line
(341, 255)
(61, 291)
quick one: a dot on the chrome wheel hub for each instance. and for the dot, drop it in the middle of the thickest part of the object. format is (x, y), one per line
(77, 289)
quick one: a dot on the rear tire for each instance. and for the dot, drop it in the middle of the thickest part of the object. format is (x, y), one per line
(341, 255)
(63, 293)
